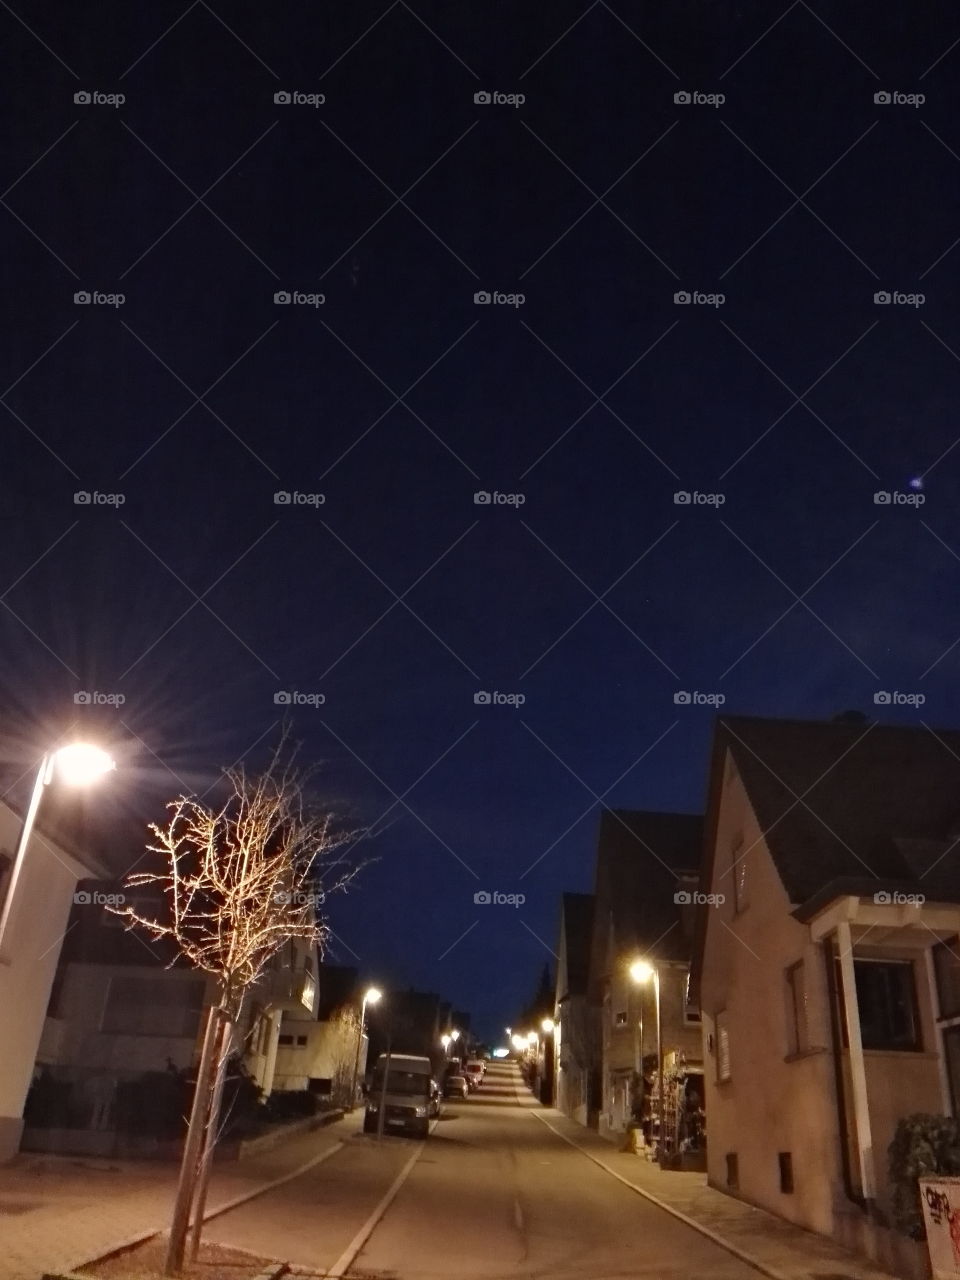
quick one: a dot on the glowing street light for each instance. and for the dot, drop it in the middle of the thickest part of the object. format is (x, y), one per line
(77, 764)
(370, 996)
(454, 1035)
(532, 1037)
(445, 1041)
(547, 1025)
(518, 1042)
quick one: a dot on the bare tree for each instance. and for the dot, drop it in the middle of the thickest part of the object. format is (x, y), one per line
(238, 882)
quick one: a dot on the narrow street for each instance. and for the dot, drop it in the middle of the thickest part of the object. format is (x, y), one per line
(492, 1193)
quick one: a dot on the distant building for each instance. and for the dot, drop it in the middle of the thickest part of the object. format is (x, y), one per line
(572, 1032)
(322, 1054)
(646, 878)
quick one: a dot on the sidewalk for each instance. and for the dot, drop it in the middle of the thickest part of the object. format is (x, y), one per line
(777, 1248)
(57, 1212)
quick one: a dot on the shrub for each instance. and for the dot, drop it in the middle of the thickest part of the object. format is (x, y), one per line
(923, 1146)
(291, 1104)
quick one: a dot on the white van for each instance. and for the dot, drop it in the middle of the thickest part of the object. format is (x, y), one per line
(408, 1099)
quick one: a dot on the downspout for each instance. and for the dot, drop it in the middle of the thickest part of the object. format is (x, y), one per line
(829, 950)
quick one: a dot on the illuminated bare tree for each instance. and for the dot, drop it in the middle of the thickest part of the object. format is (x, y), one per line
(238, 882)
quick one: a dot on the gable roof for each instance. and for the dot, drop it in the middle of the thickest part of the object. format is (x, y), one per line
(641, 855)
(576, 921)
(846, 806)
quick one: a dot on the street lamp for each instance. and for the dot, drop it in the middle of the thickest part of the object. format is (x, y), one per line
(547, 1025)
(454, 1035)
(532, 1037)
(370, 996)
(445, 1041)
(641, 972)
(77, 764)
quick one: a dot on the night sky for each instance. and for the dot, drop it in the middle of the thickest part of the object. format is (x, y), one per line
(796, 199)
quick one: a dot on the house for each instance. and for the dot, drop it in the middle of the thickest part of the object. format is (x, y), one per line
(571, 1033)
(325, 1053)
(827, 963)
(645, 883)
(122, 1004)
(34, 912)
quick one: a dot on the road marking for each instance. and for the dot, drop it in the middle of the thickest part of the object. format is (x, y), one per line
(347, 1258)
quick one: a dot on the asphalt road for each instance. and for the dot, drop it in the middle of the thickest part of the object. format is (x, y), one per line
(493, 1193)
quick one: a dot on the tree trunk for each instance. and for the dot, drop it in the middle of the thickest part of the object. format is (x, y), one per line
(191, 1147)
(222, 1053)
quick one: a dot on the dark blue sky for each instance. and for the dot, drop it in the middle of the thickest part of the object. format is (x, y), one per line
(797, 198)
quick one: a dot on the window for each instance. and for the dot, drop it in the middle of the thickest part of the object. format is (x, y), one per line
(723, 1047)
(284, 1039)
(301, 1040)
(691, 1012)
(785, 1161)
(798, 1029)
(888, 1005)
(145, 1007)
(738, 869)
(620, 1020)
(946, 962)
(733, 1170)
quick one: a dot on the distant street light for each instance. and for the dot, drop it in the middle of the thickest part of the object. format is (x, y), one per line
(641, 972)
(445, 1041)
(532, 1037)
(454, 1034)
(547, 1025)
(370, 996)
(77, 764)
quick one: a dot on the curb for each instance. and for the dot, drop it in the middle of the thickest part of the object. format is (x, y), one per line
(132, 1241)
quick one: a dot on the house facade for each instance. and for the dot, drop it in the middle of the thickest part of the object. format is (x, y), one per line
(828, 964)
(646, 875)
(323, 1053)
(39, 907)
(572, 1028)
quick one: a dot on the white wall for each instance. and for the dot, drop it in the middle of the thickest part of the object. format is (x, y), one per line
(28, 961)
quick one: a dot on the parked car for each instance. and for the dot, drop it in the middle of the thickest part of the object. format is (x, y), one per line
(457, 1087)
(474, 1073)
(407, 1100)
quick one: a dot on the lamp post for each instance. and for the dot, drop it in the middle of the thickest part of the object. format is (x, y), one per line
(641, 972)
(547, 1026)
(77, 764)
(370, 996)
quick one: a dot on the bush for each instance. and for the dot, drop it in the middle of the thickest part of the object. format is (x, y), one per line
(291, 1104)
(923, 1146)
